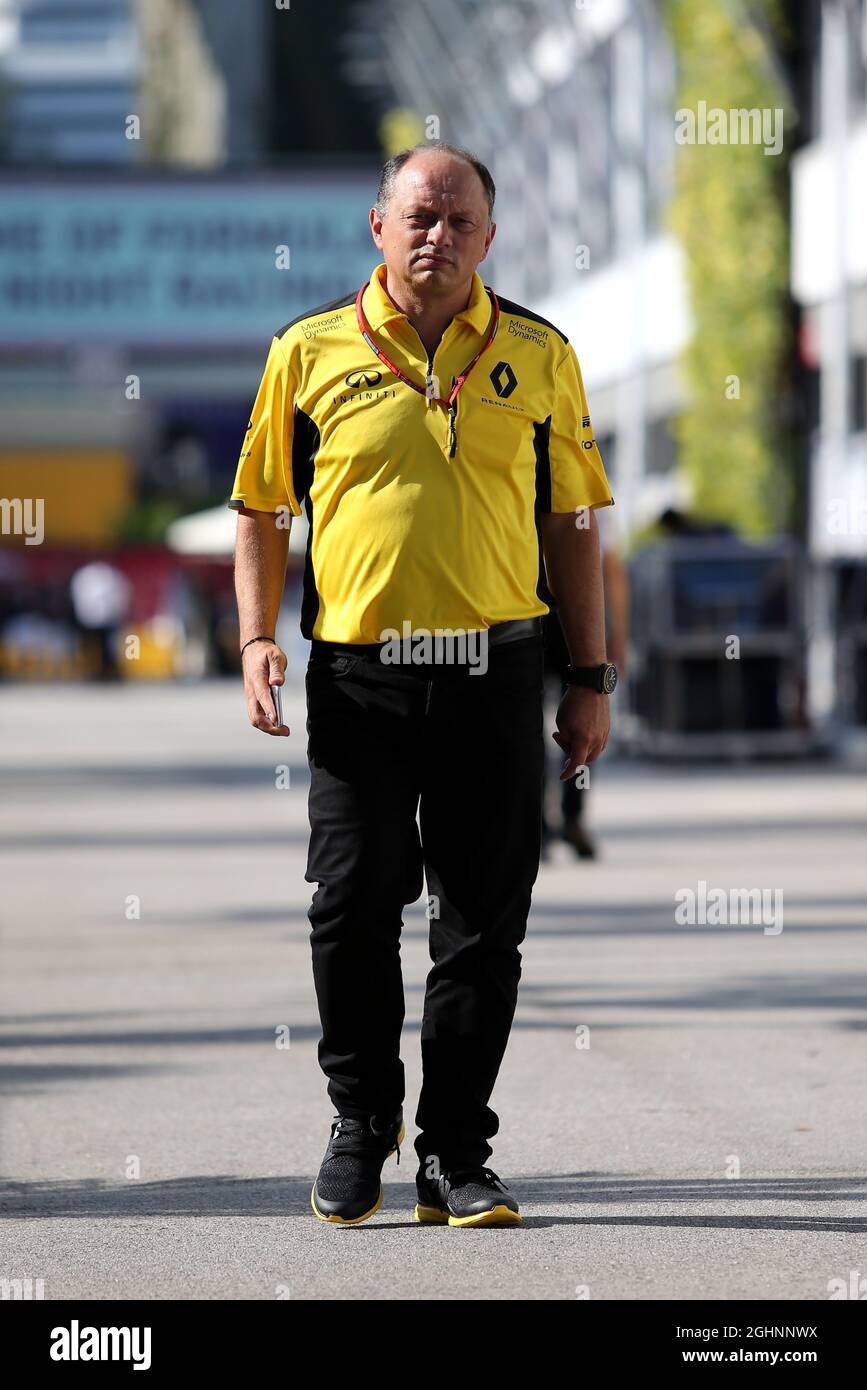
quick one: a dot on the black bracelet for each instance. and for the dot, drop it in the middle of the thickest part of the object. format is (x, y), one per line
(255, 639)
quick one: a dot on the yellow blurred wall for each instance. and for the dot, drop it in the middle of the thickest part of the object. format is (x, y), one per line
(85, 491)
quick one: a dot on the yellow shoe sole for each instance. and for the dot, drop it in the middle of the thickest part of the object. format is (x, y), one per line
(497, 1216)
(346, 1220)
(356, 1220)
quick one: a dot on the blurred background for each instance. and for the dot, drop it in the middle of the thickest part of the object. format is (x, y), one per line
(154, 157)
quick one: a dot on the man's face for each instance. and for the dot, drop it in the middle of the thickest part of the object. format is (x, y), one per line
(436, 228)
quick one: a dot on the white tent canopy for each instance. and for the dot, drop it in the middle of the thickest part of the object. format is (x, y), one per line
(212, 533)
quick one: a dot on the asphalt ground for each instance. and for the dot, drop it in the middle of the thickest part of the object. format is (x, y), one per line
(682, 1106)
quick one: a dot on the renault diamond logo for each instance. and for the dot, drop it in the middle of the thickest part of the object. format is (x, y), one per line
(359, 379)
(503, 379)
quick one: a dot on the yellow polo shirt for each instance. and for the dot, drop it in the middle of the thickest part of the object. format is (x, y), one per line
(399, 530)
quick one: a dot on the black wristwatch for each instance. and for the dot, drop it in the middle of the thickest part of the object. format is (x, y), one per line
(602, 678)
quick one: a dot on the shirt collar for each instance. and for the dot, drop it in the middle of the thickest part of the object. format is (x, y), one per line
(379, 309)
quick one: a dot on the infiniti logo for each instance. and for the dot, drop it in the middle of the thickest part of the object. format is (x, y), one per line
(358, 379)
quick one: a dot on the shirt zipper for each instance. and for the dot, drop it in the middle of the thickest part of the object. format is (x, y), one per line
(451, 412)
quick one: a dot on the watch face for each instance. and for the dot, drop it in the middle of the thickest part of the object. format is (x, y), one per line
(609, 678)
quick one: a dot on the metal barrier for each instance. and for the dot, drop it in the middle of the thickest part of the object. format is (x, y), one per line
(719, 652)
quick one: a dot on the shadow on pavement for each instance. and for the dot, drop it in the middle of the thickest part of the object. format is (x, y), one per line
(290, 1196)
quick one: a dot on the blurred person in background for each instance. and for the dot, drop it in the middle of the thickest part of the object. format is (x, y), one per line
(100, 596)
(436, 469)
(38, 636)
(615, 579)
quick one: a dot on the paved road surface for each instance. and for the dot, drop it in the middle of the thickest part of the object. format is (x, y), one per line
(157, 1143)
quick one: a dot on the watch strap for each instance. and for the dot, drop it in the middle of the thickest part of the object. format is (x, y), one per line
(602, 678)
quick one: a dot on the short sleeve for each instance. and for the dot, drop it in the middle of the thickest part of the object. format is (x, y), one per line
(577, 472)
(263, 480)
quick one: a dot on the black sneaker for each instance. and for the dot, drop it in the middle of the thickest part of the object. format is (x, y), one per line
(348, 1188)
(465, 1197)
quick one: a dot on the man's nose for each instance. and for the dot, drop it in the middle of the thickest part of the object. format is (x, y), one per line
(439, 234)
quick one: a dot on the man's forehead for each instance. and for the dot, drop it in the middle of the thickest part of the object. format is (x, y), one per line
(441, 178)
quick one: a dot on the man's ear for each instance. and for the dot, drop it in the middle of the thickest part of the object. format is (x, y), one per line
(490, 238)
(376, 227)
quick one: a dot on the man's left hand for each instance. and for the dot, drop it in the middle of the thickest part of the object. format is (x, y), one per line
(583, 724)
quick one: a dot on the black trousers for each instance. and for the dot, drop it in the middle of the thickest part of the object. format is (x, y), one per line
(464, 752)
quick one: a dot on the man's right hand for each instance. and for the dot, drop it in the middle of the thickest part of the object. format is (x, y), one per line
(264, 665)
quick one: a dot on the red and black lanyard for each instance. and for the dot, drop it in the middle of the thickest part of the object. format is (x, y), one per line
(451, 401)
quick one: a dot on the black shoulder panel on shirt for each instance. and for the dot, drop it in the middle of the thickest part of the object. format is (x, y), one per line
(510, 307)
(341, 303)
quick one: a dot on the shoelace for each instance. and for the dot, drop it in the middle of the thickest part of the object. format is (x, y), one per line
(487, 1175)
(356, 1138)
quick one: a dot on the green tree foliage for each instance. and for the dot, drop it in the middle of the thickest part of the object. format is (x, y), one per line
(730, 213)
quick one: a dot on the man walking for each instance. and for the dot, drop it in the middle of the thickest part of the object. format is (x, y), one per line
(440, 441)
